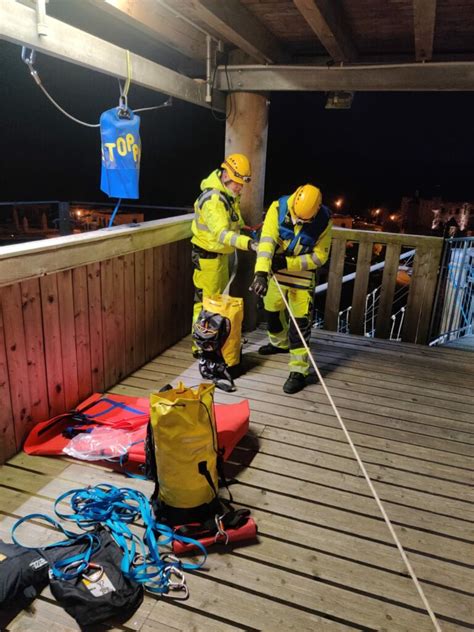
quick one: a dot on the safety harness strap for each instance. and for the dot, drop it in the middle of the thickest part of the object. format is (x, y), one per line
(117, 508)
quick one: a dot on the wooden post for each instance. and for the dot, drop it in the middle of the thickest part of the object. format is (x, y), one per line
(246, 133)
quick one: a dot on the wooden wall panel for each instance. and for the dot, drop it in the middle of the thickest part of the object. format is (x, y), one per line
(119, 318)
(389, 279)
(364, 258)
(333, 295)
(108, 323)
(150, 325)
(129, 311)
(421, 294)
(35, 356)
(68, 338)
(52, 344)
(7, 431)
(94, 293)
(140, 341)
(159, 297)
(82, 332)
(77, 331)
(16, 360)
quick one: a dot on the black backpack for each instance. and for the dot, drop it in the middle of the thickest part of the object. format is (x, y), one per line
(210, 333)
(23, 575)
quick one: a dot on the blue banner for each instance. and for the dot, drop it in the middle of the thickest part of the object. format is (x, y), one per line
(121, 151)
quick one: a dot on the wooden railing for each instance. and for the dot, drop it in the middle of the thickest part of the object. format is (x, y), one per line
(421, 288)
(79, 313)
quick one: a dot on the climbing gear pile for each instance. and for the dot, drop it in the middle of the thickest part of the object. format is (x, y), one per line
(101, 571)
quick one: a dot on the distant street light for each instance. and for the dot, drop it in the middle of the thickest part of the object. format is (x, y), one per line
(393, 217)
(338, 203)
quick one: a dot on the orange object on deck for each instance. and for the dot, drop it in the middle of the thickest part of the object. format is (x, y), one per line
(130, 415)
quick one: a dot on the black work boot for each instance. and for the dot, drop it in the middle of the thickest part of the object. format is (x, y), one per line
(270, 349)
(294, 383)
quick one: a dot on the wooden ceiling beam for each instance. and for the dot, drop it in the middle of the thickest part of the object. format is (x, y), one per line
(155, 20)
(237, 25)
(424, 17)
(326, 18)
(450, 76)
(18, 24)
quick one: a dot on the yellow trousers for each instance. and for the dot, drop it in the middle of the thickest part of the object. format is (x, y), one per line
(281, 331)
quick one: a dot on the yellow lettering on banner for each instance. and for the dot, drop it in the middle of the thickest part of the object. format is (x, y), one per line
(110, 147)
(130, 138)
(136, 153)
(121, 146)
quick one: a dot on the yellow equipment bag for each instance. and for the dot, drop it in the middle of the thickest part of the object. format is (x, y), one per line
(232, 308)
(185, 446)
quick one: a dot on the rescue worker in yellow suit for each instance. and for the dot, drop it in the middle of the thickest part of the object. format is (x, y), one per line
(295, 241)
(216, 228)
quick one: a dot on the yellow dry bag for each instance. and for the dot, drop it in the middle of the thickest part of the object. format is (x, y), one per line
(186, 450)
(232, 308)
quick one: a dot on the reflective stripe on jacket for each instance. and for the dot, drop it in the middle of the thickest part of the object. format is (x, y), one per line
(217, 218)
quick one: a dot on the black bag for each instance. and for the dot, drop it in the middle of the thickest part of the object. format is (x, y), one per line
(103, 591)
(210, 332)
(23, 575)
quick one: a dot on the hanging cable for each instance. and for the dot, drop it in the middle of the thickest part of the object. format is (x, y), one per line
(168, 103)
(362, 466)
(29, 61)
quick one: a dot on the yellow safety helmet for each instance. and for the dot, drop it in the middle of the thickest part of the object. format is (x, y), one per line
(307, 200)
(238, 168)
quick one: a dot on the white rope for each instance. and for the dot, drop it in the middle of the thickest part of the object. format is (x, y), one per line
(362, 467)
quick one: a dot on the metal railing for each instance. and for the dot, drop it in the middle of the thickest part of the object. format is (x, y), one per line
(453, 316)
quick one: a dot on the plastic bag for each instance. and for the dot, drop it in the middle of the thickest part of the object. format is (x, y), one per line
(101, 443)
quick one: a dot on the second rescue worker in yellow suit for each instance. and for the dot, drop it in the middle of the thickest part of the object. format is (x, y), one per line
(295, 241)
(216, 227)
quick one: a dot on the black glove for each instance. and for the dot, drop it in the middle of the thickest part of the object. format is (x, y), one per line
(279, 263)
(260, 284)
(253, 245)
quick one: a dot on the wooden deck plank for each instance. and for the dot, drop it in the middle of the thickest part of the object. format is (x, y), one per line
(420, 405)
(423, 434)
(324, 558)
(288, 568)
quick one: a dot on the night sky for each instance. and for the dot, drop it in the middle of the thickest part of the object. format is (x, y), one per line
(386, 146)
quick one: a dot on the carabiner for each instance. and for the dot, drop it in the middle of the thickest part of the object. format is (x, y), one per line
(29, 60)
(220, 529)
(123, 110)
(95, 575)
(173, 570)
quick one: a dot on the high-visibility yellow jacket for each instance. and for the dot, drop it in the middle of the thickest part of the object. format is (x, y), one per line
(217, 218)
(301, 260)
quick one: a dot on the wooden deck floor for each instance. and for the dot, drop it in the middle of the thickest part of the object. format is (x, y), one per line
(324, 559)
